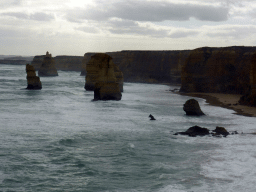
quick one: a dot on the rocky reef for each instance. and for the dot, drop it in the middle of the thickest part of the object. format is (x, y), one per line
(202, 131)
(32, 80)
(217, 70)
(47, 67)
(101, 78)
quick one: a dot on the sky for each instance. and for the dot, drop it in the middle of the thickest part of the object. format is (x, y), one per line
(74, 27)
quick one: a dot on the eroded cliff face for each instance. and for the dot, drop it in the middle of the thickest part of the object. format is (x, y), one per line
(48, 66)
(217, 70)
(249, 98)
(148, 66)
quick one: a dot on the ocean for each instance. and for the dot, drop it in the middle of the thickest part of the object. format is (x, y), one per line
(58, 139)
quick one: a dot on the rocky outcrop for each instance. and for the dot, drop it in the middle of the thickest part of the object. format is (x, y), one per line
(192, 108)
(32, 80)
(94, 71)
(48, 67)
(217, 70)
(101, 78)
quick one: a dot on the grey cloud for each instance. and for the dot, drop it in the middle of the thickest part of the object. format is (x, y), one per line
(18, 15)
(131, 27)
(182, 34)
(39, 16)
(235, 32)
(150, 11)
(9, 3)
(125, 27)
(88, 29)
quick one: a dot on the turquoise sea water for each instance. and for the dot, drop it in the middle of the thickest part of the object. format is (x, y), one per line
(58, 139)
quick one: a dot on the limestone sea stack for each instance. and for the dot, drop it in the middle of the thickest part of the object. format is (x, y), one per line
(33, 81)
(101, 78)
(48, 67)
(95, 64)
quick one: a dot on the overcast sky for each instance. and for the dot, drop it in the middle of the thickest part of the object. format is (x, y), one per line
(74, 27)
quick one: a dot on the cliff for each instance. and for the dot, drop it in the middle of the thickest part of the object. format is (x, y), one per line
(64, 63)
(147, 66)
(15, 60)
(217, 70)
(249, 98)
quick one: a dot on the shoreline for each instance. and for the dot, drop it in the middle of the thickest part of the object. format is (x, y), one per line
(228, 101)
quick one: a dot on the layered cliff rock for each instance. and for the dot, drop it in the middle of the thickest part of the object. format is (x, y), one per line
(32, 80)
(48, 67)
(101, 78)
(217, 70)
(147, 66)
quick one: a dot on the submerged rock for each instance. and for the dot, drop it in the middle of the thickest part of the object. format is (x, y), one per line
(220, 131)
(191, 107)
(151, 117)
(48, 67)
(33, 81)
(195, 131)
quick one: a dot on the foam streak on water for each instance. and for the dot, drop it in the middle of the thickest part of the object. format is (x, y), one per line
(57, 139)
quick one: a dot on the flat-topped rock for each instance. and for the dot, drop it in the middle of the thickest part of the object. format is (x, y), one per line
(48, 67)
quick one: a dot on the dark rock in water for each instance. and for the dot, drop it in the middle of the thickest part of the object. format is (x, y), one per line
(191, 107)
(200, 131)
(220, 131)
(33, 81)
(151, 117)
(48, 67)
(195, 131)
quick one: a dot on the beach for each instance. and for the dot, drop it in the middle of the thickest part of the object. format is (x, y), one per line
(229, 101)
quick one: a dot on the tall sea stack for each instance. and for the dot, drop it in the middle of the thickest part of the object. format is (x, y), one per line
(48, 67)
(101, 77)
(33, 81)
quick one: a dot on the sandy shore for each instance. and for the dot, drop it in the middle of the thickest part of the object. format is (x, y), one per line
(229, 101)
